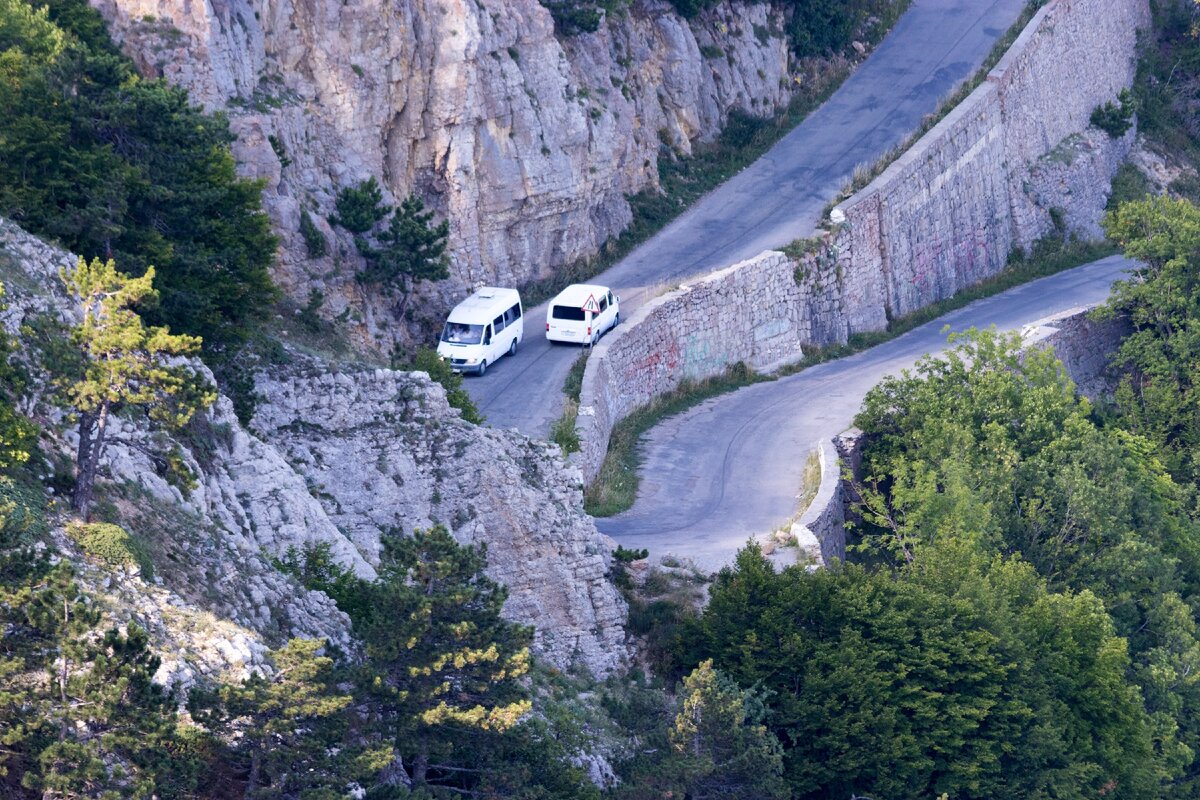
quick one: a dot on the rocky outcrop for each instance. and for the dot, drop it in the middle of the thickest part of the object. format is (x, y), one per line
(385, 456)
(339, 461)
(527, 143)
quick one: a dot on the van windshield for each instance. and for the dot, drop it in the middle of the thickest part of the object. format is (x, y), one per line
(460, 333)
(567, 312)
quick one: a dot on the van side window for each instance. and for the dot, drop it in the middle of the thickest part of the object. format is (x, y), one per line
(610, 299)
(498, 323)
(512, 315)
(487, 335)
(603, 303)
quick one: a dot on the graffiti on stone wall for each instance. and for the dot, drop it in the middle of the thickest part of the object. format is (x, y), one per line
(659, 361)
(701, 356)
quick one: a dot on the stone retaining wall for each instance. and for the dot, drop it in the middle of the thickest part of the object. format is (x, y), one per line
(990, 177)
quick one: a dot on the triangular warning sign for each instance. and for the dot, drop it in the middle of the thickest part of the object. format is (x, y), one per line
(591, 305)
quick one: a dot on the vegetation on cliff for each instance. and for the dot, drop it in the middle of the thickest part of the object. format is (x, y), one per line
(115, 166)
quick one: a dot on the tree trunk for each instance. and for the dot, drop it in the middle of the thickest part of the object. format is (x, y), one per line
(421, 766)
(406, 287)
(255, 767)
(91, 444)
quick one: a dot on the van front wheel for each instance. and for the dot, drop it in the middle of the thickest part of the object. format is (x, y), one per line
(482, 368)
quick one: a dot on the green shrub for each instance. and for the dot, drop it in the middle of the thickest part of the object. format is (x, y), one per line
(626, 556)
(573, 385)
(314, 240)
(572, 18)
(563, 432)
(1116, 118)
(111, 545)
(22, 511)
(427, 360)
(359, 207)
(1128, 184)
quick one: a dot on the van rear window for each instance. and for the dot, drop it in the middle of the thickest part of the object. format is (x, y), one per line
(567, 312)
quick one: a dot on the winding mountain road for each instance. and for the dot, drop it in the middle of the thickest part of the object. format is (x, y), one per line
(732, 467)
(933, 48)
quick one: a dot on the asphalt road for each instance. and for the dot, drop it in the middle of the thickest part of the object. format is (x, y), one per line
(934, 47)
(732, 467)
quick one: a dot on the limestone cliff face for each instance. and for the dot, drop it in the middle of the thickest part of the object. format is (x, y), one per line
(337, 460)
(384, 455)
(528, 144)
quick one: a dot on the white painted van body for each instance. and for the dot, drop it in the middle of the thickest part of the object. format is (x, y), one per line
(566, 321)
(481, 329)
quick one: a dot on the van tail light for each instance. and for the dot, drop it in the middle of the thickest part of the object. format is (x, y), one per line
(547, 326)
(589, 333)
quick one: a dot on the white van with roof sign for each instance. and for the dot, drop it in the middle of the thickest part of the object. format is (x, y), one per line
(481, 329)
(582, 313)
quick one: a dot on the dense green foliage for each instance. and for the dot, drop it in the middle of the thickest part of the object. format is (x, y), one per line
(815, 27)
(440, 700)
(444, 674)
(954, 676)
(79, 713)
(1160, 398)
(115, 166)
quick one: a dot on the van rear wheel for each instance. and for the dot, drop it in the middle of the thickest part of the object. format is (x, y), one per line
(512, 348)
(482, 368)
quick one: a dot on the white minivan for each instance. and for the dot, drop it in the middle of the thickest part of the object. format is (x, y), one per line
(481, 329)
(582, 313)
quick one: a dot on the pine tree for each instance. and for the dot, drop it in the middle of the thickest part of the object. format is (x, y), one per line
(730, 753)
(289, 726)
(412, 250)
(360, 207)
(124, 363)
(444, 662)
(80, 715)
